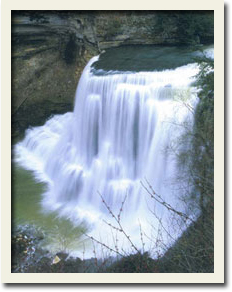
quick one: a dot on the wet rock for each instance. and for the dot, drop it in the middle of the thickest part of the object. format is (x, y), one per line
(56, 260)
(25, 250)
(62, 256)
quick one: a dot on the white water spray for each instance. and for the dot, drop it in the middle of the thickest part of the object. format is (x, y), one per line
(117, 136)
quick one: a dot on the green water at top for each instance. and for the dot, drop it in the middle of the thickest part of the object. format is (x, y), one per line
(147, 57)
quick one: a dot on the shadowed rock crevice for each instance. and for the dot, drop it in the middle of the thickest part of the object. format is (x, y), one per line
(51, 48)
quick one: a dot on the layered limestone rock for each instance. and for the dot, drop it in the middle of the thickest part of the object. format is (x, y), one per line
(51, 48)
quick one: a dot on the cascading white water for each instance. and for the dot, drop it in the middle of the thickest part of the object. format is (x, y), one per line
(117, 135)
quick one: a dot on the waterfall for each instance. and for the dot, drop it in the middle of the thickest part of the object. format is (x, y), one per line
(117, 136)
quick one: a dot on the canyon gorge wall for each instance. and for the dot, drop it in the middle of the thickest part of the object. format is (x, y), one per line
(51, 48)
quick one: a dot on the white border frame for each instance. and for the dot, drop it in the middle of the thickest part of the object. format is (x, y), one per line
(7, 276)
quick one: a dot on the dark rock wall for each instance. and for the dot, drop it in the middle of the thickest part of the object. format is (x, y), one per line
(51, 48)
(49, 53)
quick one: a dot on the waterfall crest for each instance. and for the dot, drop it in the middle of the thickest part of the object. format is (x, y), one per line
(116, 137)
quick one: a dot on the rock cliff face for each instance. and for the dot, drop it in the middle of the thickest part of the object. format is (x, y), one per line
(50, 50)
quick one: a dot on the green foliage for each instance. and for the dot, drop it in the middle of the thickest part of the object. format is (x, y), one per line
(195, 26)
(205, 78)
(197, 161)
(204, 131)
(189, 27)
(138, 263)
(193, 252)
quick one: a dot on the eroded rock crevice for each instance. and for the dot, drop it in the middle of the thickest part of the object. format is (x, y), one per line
(51, 48)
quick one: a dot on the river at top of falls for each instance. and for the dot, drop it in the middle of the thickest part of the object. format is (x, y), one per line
(96, 157)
